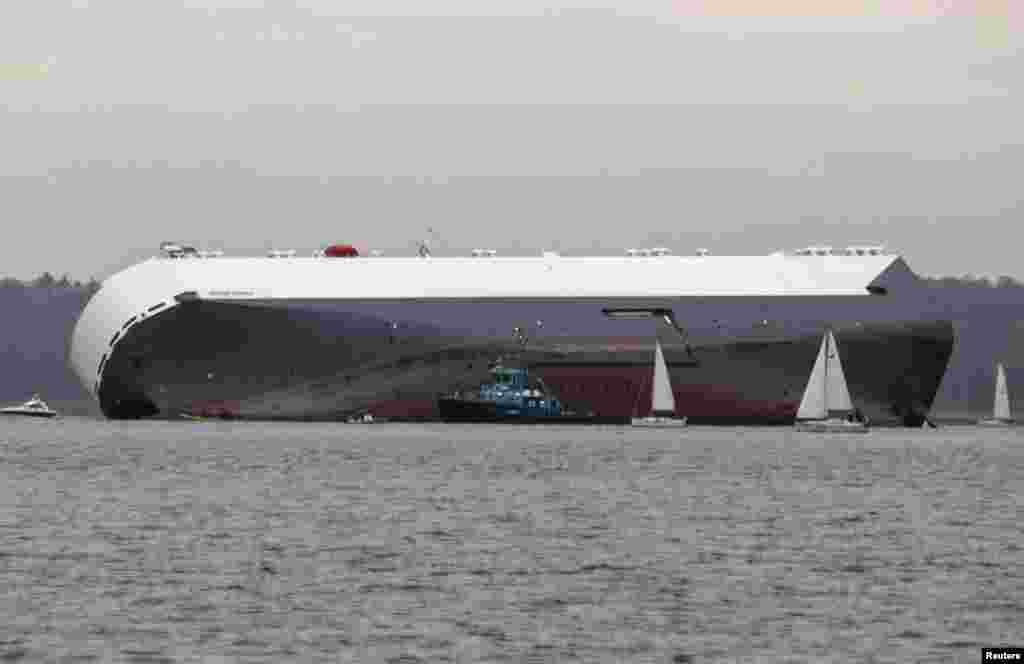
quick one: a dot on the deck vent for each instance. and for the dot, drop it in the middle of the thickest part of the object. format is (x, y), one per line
(866, 251)
(814, 251)
(656, 251)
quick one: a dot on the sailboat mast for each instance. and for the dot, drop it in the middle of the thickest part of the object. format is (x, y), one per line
(828, 354)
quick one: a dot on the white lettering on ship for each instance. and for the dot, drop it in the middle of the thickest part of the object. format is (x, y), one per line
(230, 293)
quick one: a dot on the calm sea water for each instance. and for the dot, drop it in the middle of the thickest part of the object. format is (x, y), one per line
(225, 542)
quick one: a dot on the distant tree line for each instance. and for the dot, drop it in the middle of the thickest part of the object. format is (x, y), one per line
(972, 281)
(47, 280)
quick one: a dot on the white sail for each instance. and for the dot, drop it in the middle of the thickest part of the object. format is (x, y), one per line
(1001, 409)
(662, 401)
(837, 395)
(812, 406)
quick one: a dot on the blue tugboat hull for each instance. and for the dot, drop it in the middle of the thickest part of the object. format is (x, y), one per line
(472, 411)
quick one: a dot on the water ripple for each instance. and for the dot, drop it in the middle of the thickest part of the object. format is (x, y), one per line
(167, 542)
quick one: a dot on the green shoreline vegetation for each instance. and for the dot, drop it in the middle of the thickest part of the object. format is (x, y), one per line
(47, 280)
(972, 281)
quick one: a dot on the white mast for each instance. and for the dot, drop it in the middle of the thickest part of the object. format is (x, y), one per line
(837, 394)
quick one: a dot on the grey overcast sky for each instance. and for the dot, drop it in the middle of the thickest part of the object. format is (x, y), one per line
(586, 127)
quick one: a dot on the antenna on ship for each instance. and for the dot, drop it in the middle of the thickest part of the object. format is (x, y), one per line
(424, 247)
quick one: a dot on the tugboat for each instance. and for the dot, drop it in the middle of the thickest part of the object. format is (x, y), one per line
(510, 398)
(34, 407)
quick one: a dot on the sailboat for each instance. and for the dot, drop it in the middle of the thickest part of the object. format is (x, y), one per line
(826, 406)
(1001, 407)
(663, 404)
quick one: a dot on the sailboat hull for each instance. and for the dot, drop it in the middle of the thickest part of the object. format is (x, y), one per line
(997, 424)
(659, 422)
(831, 426)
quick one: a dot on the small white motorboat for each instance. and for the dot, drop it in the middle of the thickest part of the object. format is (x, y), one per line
(34, 407)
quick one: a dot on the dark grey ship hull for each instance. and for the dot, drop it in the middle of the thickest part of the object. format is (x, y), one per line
(736, 364)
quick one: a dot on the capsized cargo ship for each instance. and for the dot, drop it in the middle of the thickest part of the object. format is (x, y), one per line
(327, 336)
